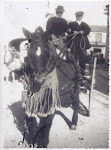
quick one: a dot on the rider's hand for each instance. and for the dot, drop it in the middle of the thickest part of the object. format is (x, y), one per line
(79, 76)
(81, 32)
(66, 35)
(69, 30)
(75, 32)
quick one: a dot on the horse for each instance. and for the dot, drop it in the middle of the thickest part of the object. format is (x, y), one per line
(41, 97)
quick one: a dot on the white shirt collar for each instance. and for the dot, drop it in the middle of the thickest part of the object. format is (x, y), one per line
(79, 22)
(58, 17)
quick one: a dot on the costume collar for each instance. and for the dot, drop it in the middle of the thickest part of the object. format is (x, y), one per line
(58, 17)
(79, 22)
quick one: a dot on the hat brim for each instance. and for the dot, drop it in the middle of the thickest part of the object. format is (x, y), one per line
(79, 15)
(59, 10)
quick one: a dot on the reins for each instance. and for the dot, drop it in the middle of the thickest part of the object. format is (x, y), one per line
(82, 48)
(55, 59)
(82, 39)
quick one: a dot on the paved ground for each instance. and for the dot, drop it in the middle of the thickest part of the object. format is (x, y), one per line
(91, 132)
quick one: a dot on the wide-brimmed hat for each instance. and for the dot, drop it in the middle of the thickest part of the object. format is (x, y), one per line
(79, 13)
(60, 9)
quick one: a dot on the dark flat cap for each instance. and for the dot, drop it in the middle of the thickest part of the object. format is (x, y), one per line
(79, 13)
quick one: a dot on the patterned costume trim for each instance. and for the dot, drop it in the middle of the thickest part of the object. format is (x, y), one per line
(46, 100)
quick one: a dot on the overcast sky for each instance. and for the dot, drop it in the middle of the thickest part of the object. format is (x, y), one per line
(30, 14)
(94, 10)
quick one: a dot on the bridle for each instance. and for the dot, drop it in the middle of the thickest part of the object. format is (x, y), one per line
(54, 61)
(40, 78)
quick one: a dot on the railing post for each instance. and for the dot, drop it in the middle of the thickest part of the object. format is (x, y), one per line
(92, 84)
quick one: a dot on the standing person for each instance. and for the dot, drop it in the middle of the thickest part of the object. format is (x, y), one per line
(81, 42)
(56, 25)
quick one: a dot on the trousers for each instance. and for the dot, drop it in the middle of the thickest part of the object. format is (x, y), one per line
(79, 56)
(75, 105)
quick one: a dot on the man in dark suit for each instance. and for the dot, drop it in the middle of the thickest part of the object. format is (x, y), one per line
(56, 25)
(78, 49)
(80, 42)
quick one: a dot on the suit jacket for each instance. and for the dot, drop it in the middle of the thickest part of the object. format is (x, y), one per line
(56, 26)
(74, 26)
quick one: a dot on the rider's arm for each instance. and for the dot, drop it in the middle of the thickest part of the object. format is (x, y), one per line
(49, 26)
(48, 31)
(86, 29)
(66, 26)
(72, 28)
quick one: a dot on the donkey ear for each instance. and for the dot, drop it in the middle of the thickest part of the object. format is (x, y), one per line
(27, 33)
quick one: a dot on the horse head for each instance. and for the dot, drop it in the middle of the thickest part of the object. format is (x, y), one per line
(38, 50)
(33, 48)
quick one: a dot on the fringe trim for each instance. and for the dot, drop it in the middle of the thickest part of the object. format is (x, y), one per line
(44, 102)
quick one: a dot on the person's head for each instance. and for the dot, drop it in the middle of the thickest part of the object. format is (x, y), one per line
(59, 11)
(79, 15)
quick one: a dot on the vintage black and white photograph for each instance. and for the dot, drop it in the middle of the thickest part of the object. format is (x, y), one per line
(54, 74)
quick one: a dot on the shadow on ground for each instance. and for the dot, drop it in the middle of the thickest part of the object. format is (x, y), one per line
(31, 131)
